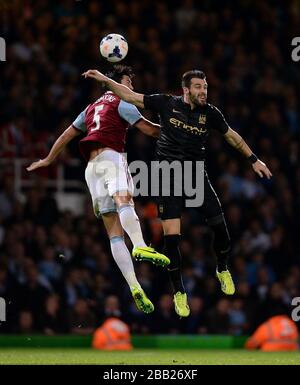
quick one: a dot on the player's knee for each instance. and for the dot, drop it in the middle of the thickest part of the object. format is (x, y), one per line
(122, 199)
(171, 227)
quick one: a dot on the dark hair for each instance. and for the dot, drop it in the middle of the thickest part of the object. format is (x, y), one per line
(119, 71)
(189, 75)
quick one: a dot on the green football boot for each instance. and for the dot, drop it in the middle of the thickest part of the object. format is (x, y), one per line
(142, 302)
(226, 281)
(181, 304)
(148, 254)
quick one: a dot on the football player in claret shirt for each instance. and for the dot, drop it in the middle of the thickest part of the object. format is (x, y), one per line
(186, 121)
(104, 124)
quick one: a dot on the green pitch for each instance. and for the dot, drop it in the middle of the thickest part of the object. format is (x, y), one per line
(145, 356)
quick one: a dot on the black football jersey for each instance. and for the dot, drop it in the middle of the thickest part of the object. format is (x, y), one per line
(184, 131)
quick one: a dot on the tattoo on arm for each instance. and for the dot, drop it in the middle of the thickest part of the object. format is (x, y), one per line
(239, 143)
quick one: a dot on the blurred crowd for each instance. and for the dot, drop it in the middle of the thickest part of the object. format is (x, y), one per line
(56, 270)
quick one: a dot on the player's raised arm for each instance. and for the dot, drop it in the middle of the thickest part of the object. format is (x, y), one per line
(70, 133)
(148, 128)
(235, 140)
(121, 90)
(132, 115)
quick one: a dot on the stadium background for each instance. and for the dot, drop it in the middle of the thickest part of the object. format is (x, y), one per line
(245, 52)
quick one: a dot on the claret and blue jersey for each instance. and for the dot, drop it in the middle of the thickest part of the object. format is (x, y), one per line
(105, 122)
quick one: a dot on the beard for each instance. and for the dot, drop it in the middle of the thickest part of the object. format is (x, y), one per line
(198, 100)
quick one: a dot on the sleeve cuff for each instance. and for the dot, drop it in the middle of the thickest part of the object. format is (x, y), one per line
(138, 120)
(76, 128)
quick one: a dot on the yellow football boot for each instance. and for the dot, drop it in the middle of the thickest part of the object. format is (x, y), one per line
(181, 304)
(148, 254)
(142, 302)
(226, 281)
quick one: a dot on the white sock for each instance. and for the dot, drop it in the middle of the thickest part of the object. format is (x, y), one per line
(123, 260)
(131, 224)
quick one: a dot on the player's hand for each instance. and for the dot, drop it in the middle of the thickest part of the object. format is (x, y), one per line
(261, 169)
(94, 74)
(40, 163)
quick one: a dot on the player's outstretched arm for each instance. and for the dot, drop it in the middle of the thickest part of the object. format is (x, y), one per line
(148, 128)
(56, 149)
(235, 140)
(122, 91)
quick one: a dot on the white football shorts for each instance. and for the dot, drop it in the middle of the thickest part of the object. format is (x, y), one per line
(105, 175)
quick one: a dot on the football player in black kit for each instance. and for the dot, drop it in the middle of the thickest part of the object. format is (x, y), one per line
(186, 122)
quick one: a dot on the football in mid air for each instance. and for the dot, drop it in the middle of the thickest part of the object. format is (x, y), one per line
(113, 47)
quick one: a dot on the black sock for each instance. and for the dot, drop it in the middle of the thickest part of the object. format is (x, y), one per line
(222, 260)
(221, 245)
(171, 250)
(176, 280)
